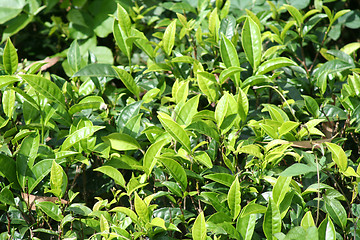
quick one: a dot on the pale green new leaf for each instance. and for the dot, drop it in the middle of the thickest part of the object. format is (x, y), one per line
(8, 102)
(46, 87)
(58, 180)
(242, 105)
(307, 221)
(272, 220)
(121, 142)
(281, 187)
(169, 38)
(78, 135)
(295, 13)
(208, 85)
(74, 57)
(10, 58)
(246, 225)
(203, 158)
(273, 64)
(338, 156)
(124, 20)
(187, 111)
(151, 154)
(141, 209)
(6, 80)
(234, 198)
(199, 228)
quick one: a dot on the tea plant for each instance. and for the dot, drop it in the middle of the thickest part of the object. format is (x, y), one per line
(214, 123)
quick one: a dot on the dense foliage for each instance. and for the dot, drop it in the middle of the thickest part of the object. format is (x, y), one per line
(179, 119)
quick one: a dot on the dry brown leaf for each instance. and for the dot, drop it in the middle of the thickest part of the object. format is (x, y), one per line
(310, 144)
(30, 200)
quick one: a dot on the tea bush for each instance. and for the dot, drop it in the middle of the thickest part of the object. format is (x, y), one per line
(179, 119)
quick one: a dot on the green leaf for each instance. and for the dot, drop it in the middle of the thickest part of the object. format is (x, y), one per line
(169, 38)
(6, 197)
(175, 130)
(78, 135)
(287, 127)
(10, 58)
(221, 109)
(295, 13)
(26, 156)
(126, 211)
(120, 38)
(246, 225)
(199, 228)
(204, 128)
(311, 106)
(187, 111)
(141, 209)
(7, 80)
(39, 171)
(208, 85)
(338, 156)
(151, 154)
(223, 178)
(74, 57)
(228, 72)
(252, 208)
(336, 211)
(354, 83)
(297, 169)
(104, 224)
(272, 220)
(176, 171)
(214, 25)
(273, 64)
(113, 173)
(281, 187)
(234, 198)
(90, 102)
(58, 180)
(143, 43)
(10, 9)
(50, 209)
(242, 105)
(46, 87)
(327, 230)
(8, 169)
(124, 20)
(203, 158)
(121, 142)
(8, 102)
(229, 56)
(307, 221)
(128, 81)
(251, 42)
(96, 70)
(276, 113)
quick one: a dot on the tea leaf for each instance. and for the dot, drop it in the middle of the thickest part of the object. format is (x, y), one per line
(113, 173)
(10, 58)
(251, 42)
(175, 130)
(199, 228)
(234, 198)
